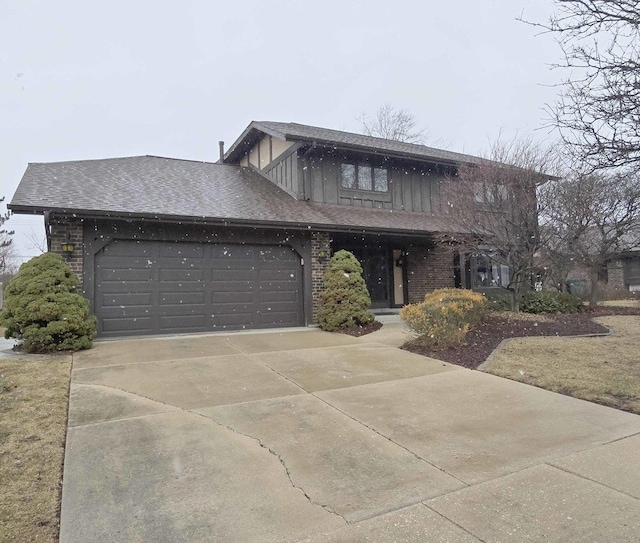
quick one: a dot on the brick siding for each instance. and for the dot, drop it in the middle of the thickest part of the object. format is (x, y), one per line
(320, 242)
(615, 273)
(68, 228)
(429, 268)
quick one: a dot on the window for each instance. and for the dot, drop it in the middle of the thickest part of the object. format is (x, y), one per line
(380, 180)
(489, 194)
(348, 176)
(364, 177)
(486, 272)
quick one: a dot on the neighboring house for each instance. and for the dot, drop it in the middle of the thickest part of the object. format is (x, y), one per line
(166, 246)
(622, 270)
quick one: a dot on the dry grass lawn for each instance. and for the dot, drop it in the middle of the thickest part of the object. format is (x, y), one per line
(604, 369)
(33, 421)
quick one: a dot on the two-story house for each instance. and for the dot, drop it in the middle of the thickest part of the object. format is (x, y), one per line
(167, 246)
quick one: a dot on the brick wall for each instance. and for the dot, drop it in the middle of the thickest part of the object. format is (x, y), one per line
(68, 228)
(320, 242)
(429, 268)
(615, 273)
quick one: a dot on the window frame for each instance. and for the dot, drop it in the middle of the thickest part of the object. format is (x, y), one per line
(498, 274)
(371, 176)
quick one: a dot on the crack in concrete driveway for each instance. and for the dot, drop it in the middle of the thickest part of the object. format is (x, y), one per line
(364, 435)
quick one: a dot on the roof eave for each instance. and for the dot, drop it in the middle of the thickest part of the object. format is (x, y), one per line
(371, 150)
(118, 215)
(237, 147)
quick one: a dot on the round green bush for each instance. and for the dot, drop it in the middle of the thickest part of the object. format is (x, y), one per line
(345, 298)
(43, 309)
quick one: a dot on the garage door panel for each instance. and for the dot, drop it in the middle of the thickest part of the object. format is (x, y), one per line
(280, 318)
(129, 311)
(228, 275)
(126, 274)
(233, 309)
(136, 324)
(232, 252)
(195, 251)
(277, 254)
(232, 297)
(134, 249)
(156, 287)
(234, 320)
(181, 298)
(287, 275)
(279, 296)
(181, 275)
(182, 322)
(124, 299)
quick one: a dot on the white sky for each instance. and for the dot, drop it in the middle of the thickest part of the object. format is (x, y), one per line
(81, 80)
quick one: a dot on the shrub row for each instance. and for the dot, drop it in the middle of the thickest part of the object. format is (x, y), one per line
(547, 301)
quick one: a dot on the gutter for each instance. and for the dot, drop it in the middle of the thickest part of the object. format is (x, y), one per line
(242, 223)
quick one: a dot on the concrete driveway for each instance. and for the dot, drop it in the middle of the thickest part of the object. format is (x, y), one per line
(308, 436)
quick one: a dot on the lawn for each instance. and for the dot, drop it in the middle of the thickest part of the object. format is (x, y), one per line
(605, 370)
(33, 420)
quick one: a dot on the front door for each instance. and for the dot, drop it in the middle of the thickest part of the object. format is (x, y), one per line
(376, 266)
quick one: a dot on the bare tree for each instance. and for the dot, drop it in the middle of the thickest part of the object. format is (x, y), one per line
(35, 241)
(598, 111)
(554, 259)
(495, 201)
(596, 217)
(392, 124)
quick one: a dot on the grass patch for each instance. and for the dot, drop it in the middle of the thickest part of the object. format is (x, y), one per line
(33, 421)
(604, 370)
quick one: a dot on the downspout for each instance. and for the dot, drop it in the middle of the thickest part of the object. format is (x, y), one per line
(47, 230)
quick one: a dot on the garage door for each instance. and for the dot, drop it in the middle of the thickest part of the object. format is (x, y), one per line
(149, 287)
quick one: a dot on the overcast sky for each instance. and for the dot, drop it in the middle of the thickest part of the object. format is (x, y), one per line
(82, 80)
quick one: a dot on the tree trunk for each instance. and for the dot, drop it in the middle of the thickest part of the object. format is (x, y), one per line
(593, 297)
(515, 300)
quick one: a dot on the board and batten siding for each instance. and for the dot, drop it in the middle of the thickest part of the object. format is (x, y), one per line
(316, 175)
(278, 160)
(284, 173)
(410, 188)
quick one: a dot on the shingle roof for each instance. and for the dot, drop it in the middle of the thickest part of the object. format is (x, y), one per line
(155, 187)
(297, 132)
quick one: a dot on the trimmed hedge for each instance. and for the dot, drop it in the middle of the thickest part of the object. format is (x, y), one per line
(43, 309)
(549, 301)
(345, 298)
(500, 302)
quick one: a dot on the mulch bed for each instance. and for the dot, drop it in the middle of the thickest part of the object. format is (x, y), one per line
(358, 331)
(483, 339)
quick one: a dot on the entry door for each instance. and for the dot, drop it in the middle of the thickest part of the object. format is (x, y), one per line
(375, 263)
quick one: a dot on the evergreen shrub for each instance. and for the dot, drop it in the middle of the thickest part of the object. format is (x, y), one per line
(345, 299)
(43, 309)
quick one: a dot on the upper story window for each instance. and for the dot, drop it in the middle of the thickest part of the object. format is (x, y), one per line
(489, 194)
(364, 177)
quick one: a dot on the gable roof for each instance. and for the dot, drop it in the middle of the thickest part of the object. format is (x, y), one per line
(348, 140)
(159, 188)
